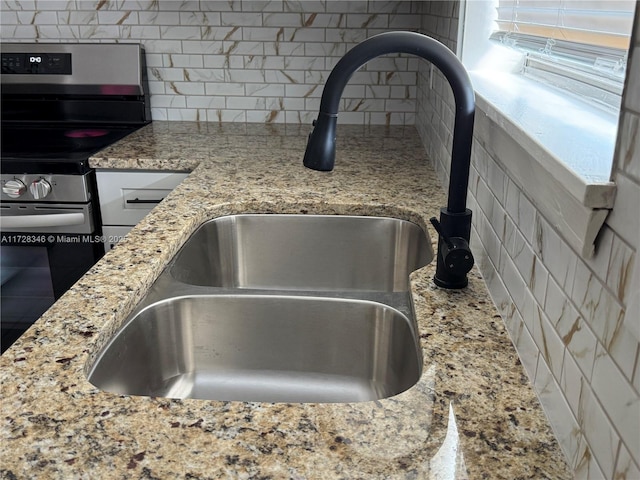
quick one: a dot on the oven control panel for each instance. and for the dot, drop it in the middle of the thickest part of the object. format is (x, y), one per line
(36, 63)
(44, 188)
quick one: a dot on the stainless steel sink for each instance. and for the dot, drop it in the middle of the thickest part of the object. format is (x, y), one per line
(303, 252)
(276, 308)
(269, 348)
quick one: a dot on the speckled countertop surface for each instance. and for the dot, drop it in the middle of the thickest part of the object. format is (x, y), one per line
(471, 415)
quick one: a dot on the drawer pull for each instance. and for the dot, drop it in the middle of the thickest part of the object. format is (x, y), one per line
(138, 201)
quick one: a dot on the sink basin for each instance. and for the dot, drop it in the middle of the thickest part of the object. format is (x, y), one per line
(267, 348)
(303, 252)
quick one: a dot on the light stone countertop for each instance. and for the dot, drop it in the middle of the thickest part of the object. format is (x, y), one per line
(472, 414)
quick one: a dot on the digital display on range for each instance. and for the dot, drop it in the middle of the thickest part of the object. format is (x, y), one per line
(36, 63)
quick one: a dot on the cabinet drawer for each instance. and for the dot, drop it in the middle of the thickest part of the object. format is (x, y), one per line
(127, 196)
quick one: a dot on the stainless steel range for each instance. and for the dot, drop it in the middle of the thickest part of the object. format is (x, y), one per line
(61, 103)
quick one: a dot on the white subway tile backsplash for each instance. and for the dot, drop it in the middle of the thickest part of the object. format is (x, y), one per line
(283, 20)
(538, 281)
(617, 398)
(226, 116)
(303, 91)
(358, 6)
(587, 468)
(190, 61)
(222, 61)
(622, 348)
(221, 33)
(636, 375)
(19, 32)
(282, 76)
(380, 118)
(564, 424)
(284, 48)
(363, 21)
(159, 113)
(324, 20)
(599, 432)
(625, 466)
(221, 5)
(54, 4)
(187, 5)
(118, 18)
(571, 381)
(246, 103)
(261, 62)
(18, 5)
(549, 343)
(394, 105)
(528, 352)
(158, 18)
(224, 89)
(262, 5)
(624, 218)
(261, 116)
(404, 22)
(186, 114)
(238, 48)
(241, 19)
(156, 87)
(168, 101)
(265, 90)
(206, 102)
(554, 253)
(629, 145)
(599, 308)
(102, 31)
(516, 285)
(303, 34)
(618, 275)
(301, 63)
(200, 18)
(161, 46)
(185, 88)
(181, 33)
(324, 49)
(35, 18)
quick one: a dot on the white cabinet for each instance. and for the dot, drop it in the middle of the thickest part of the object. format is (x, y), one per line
(126, 196)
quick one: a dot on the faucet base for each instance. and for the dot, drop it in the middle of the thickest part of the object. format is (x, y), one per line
(461, 283)
(454, 258)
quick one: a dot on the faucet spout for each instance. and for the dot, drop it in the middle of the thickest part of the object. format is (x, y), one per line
(455, 220)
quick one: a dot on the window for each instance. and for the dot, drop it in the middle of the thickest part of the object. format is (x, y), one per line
(548, 76)
(577, 45)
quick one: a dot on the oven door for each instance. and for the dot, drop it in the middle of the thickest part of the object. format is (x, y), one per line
(44, 250)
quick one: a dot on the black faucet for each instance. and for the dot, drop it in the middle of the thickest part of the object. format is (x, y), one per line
(454, 259)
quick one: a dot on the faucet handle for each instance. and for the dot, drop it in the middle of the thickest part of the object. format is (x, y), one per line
(455, 253)
(445, 238)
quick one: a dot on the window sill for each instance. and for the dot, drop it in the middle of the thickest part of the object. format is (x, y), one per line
(558, 150)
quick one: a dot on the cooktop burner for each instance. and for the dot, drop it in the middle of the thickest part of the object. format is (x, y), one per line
(86, 133)
(55, 149)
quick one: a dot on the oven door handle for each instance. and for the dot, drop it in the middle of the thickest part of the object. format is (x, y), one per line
(40, 221)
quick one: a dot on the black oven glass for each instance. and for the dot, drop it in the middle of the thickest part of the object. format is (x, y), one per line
(27, 289)
(33, 277)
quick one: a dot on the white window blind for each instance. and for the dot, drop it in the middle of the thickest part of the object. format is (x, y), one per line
(583, 42)
(604, 23)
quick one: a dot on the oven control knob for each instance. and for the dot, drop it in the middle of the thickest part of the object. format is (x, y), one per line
(14, 188)
(40, 188)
